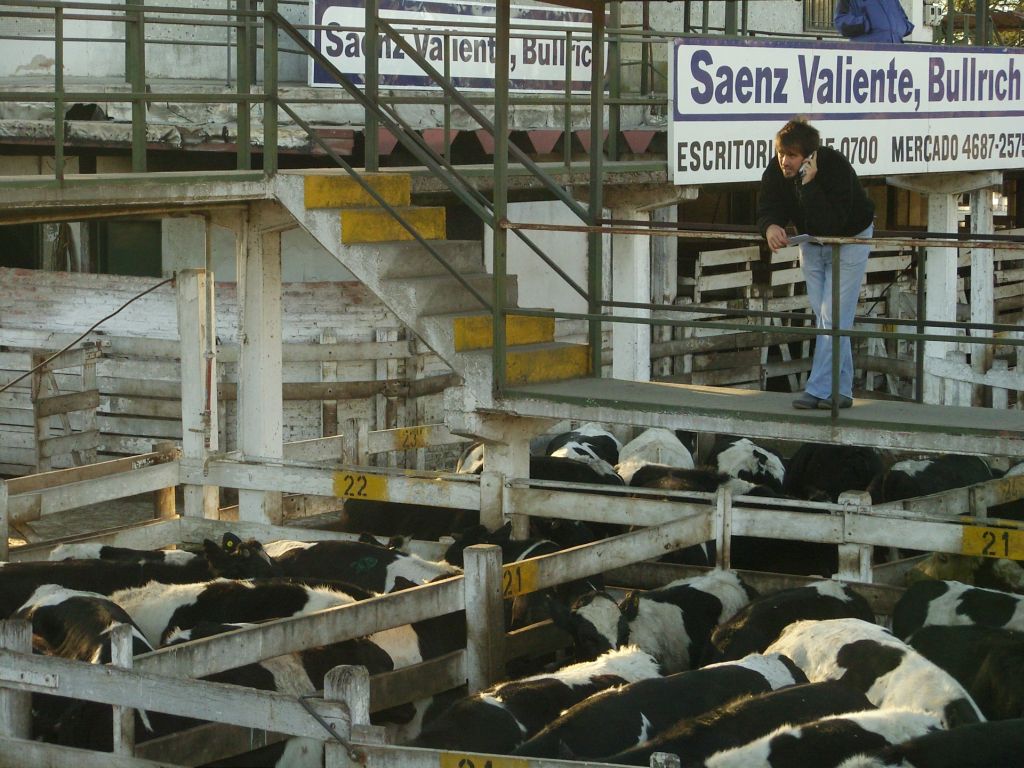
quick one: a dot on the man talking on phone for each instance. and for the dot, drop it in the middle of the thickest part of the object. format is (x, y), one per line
(815, 188)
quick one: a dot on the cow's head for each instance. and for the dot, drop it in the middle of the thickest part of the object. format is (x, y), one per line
(234, 558)
(592, 621)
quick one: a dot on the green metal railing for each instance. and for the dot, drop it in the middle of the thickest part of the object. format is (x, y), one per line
(247, 18)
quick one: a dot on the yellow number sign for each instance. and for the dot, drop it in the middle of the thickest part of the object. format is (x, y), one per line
(357, 485)
(518, 579)
(993, 542)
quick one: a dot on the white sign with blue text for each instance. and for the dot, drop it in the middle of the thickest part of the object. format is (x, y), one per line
(457, 39)
(891, 109)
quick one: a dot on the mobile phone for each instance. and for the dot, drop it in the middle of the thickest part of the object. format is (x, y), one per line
(806, 164)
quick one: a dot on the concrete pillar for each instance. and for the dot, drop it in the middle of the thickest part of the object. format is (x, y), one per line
(631, 281)
(260, 406)
(982, 286)
(940, 270)
(664, 281)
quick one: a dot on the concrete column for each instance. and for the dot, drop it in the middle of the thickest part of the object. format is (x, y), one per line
(982, 287)
(631, 281)
(664, 281)
(940, 271)
(260, 406)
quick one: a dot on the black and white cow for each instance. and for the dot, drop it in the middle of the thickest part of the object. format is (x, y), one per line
(827, 742)
(950, 603)
(589, 441)
(745, 719)
(655, 446)
(673, 622)
(76, 625)
(158, 609)
(359, 563)
(92, 550)
(979, 571)
(988, 662)
(500, 718)
(979, 745)
(911, 478)
(821, 472)
(759, 623)
(743, 459)
(887, 670)
(19, 580)
(623, 717)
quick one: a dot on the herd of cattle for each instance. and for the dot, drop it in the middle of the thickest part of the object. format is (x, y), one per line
(703, 667)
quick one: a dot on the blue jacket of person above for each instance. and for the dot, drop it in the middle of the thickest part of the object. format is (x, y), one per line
(872, 21)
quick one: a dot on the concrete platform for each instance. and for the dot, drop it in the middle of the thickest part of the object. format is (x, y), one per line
(883, 424)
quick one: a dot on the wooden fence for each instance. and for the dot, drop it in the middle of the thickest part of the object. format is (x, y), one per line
(737, 279)
(160, 680)
(344, 356)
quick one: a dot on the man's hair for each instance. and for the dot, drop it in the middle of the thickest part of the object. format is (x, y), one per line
(800, 135)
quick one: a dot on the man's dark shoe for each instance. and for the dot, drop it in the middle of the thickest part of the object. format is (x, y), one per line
(844, 402)
(807, 402)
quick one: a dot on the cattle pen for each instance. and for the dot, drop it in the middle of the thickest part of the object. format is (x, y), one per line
(337, 720)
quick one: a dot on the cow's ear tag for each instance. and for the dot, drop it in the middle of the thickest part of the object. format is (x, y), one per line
(230, 542)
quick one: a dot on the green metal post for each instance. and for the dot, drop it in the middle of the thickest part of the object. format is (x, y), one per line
(980, 25)
(919, 277)
(706, 8)
(447, 154)
(731, 19)
(371, 146)
(950, 20)
(595, 281)
(58, 88)
(502, 28)
(244, 39)
(270, 87)
(135, 74)
(836, 327)
(614, 81)
(567, 114)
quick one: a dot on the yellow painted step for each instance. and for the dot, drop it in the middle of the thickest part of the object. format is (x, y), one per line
(547, 362)
(477, 331)
(375, 225)
(342, 191)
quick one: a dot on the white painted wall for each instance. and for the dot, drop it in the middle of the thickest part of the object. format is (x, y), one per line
(303, 258)
(537, 280)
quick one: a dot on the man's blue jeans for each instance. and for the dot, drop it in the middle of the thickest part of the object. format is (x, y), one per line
(816, 261)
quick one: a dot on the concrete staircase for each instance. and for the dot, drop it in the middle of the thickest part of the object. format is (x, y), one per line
(384, 256)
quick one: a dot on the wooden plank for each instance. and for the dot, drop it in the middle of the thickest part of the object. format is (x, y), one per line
(50, 480)
(149, 534)
(165, 429)
(722, 282)
(139, 406)
(280, 636)
(24, 506)
(36, 754)
(743, 255)
(410, 487)
(190, 698)
(794, 276)
(721, 361)
(56, 446)
(74, 401)
(206, 744)
(879, 263)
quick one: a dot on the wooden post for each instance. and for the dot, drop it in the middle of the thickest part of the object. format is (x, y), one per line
(124, 717)
(329, 372)
(164, 504)
(15, 706)
(723, 528)
(350, 686)
(855, 559)
(355, 439)
(260, 405)
(485, 616)
(5, 523)
(386, 406)
(198, 384)
(492, 487)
